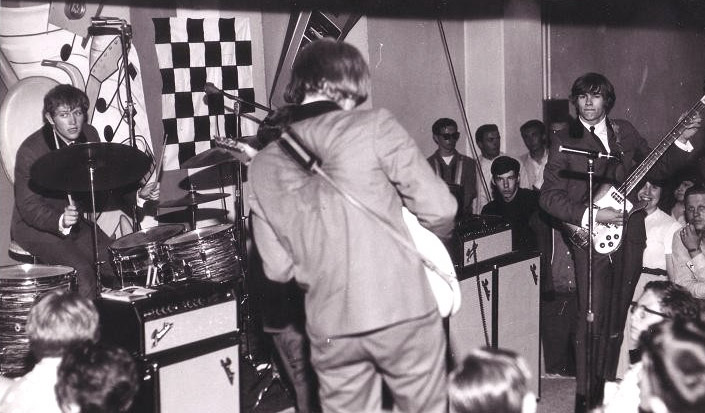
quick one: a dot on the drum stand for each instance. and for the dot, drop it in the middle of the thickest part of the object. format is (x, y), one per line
(96, 259)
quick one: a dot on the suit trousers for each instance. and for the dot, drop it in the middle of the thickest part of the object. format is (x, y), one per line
(76, 250)
(409, 357)
(614, 278)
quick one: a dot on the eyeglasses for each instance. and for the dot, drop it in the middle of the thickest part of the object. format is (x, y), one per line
(635, 306)
(449, 136)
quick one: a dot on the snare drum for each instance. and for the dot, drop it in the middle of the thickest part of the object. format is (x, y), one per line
(20, 287)
(206, 253)
(139, 258)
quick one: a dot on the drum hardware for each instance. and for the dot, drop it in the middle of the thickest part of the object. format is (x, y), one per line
(108, 166)
(240, 221)
(140, 258)
(214, 156)
(20, 287)
(191, 201)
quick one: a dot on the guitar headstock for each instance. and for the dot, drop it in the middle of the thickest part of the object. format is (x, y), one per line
(235, 145)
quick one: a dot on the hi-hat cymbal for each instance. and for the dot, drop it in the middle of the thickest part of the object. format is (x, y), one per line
(190, 199)
(214, 156)
(68, 169)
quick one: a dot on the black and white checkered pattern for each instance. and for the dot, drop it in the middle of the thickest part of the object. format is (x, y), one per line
(192, 52)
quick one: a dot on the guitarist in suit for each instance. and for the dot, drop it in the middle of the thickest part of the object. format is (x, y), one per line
(564, 196)
(370, 313)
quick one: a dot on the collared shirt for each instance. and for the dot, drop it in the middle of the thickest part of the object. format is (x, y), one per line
(688, 271)
(600, 131)
(34, 392)
(534, 170)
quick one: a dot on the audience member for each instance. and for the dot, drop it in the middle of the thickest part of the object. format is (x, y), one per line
(516, 205)
(557, 124)
(534, 135)
(660, 300)
(96, 378)
(660, 228)
(488, 140)
(688, 259)
(674, 368)
(674, 201)
(57, 321)
(491, 381)
(457, 170)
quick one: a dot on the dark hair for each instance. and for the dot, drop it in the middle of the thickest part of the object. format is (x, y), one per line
(489, 381)
(334, 69)
(697, 189)
(442, 123)
(99, 378)
(668, 198)
(64, 95)
(593, 83)
(504, 164)
(674, 364)
(675, 300)
(483, 129)
(58, 320)
(533, 123)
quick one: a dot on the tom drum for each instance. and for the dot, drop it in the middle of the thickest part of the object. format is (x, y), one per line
(140, 258)
(206, 253)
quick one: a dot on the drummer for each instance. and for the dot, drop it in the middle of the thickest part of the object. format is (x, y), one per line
(49, 224)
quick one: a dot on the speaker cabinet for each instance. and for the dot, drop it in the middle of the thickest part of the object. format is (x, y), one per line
(505, 310)
(202, 378)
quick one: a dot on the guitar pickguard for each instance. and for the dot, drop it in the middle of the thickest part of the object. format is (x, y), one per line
(608, 237)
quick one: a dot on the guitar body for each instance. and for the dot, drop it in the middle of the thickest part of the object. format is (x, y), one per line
(606, 238)
(446, 290)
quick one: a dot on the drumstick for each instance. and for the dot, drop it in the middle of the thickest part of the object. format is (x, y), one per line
(158, 171)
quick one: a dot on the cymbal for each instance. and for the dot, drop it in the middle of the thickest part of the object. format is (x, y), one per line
(214, 156)
(67, 169)
(183, 216)
(190, 199)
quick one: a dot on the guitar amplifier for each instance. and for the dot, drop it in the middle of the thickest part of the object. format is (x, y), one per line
(175, 315)
(481, 238)
(500, 309)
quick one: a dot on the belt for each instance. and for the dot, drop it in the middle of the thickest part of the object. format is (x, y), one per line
(653, 271)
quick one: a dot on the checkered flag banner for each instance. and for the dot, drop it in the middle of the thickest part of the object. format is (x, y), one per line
(192, 52)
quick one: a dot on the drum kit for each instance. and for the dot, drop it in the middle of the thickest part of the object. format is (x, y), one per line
(147, 258)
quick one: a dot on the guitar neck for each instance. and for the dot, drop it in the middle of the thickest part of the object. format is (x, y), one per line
(638, 174)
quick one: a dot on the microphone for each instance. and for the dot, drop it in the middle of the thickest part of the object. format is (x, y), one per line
(211, 89)
(585, 152)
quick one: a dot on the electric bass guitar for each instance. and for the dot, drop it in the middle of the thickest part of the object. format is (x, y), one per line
(606, 238)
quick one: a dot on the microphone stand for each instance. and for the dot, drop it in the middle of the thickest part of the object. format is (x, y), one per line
(125, 31)
(590, 316)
